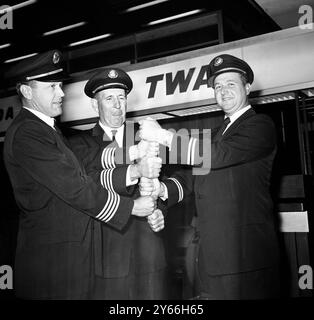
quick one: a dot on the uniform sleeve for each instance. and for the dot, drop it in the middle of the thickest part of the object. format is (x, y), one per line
(254, 139)
(96, 158)
(113, 156)
(179, 186)
(49, 162)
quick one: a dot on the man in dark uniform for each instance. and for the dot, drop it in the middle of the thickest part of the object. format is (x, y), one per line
(57, 199)
(136, 267)
(238, 256)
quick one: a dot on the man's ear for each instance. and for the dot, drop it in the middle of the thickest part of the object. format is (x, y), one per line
(95, 105)
(248, 89)
(26, 91)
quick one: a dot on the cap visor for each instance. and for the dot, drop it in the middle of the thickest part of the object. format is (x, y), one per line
(60, 76)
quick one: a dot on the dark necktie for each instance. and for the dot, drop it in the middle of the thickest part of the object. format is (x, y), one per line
(113, 132)
(57, 129)
(222, 129)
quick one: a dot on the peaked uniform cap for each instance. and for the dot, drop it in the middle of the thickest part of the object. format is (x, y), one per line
(228, 63)
(45, 67)
(108, 78)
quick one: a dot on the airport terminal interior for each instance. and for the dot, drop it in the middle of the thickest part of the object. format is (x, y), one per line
(165, 45)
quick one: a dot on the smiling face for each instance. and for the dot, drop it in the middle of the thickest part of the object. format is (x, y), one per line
(111, 105)
(230, 92)
(45, 97)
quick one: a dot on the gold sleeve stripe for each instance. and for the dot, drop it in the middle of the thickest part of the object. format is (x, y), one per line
(113, 200)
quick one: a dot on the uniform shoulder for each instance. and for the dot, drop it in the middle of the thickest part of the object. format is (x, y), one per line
(261, 118)
(23, 132)
(22, 124)
(80, 138)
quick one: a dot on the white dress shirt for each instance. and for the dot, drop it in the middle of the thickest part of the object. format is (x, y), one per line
(118, 136)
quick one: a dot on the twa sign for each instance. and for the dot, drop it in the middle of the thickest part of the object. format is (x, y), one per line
(164, 85)
(170, 84)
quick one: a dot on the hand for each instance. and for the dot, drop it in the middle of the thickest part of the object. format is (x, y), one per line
(146, 148)
(143, 206)
(146, 186)
(150, 187)
(151, 130)
(156, 220)
(149, 167)
(158, 189)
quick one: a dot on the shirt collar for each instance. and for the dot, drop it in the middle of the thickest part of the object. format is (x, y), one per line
(118, 136)
(48, 120)
(236, 115)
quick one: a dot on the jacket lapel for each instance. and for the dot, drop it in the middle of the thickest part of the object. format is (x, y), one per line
(26, 114)
(98, 133)
(249, 113)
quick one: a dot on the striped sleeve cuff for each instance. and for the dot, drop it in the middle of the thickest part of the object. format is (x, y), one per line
(113, 200)
(180, 189)
(107, 158)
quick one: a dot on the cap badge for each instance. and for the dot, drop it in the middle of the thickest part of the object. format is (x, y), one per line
(218, 61)
(56, 57)
(113, 74)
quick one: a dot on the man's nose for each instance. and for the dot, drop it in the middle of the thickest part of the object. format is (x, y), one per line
(224, 90)
(117, 103)
(60, 92)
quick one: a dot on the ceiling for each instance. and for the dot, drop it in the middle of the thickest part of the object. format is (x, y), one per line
(285, 12)
(100, 17)
(95, 18)
(241, 19)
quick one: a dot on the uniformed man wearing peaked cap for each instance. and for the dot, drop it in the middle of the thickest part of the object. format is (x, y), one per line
(133, 261)
(239, 251)
(228, 63)
(58, 200)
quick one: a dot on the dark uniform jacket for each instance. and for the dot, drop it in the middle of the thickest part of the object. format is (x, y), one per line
(115, 249)
(58, 202)
(234, 207)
